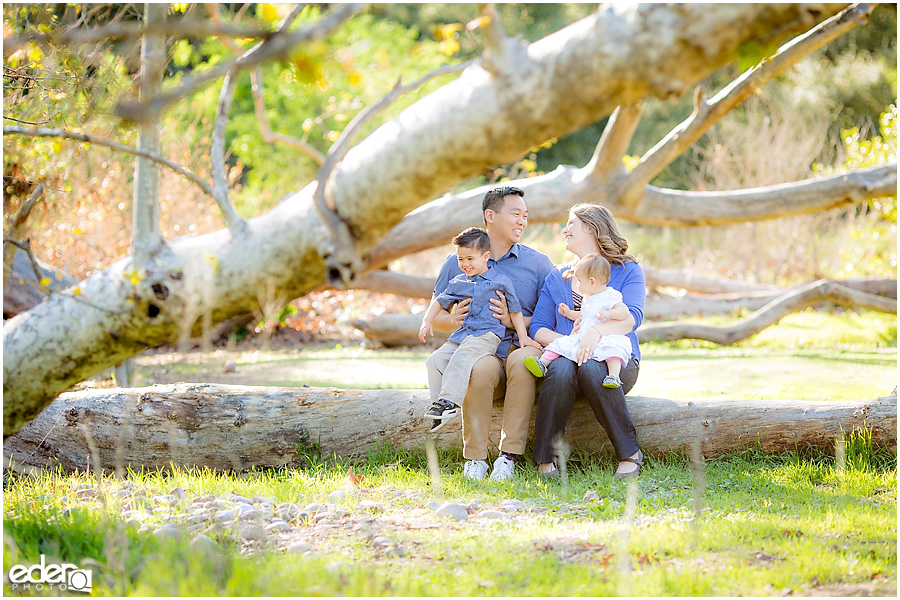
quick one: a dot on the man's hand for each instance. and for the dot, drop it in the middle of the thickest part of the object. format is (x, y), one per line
(501, 311)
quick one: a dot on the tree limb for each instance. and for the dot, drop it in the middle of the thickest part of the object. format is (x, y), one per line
(274, 46)
(550, 197)
(270, 136)
(17, 227)
(793, 301)
(233, 221)
(706, 114)
(91, 139)
(183, 28)
(340, 252)
(613, 144)
(145, 233)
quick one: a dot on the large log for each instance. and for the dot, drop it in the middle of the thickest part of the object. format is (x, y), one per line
(237, 427)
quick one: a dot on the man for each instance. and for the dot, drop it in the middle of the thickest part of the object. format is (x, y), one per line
(505, 219)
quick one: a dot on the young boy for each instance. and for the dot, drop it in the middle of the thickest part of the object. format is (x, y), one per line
(450, 366)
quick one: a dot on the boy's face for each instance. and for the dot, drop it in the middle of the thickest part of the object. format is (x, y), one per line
(471, 261)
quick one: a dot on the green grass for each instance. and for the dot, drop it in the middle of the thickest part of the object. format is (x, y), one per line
(769, 524)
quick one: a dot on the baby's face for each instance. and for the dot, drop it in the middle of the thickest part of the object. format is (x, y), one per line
(471, 261)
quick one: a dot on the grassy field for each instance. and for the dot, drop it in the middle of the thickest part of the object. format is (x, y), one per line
(744, 524)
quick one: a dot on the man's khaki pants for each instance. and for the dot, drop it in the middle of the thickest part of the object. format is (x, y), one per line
(491, 377)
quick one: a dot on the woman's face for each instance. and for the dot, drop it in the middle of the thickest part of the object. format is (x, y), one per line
(580, 240)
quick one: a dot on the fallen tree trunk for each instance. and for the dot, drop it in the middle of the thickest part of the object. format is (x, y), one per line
(238, 427)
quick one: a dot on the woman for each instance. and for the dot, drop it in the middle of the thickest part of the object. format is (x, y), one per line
(591, 228)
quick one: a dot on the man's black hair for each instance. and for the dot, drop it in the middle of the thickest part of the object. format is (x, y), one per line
(493, 200)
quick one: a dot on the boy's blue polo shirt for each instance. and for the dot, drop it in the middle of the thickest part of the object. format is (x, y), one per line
(525, 267)
(480, 288)
(627, 279)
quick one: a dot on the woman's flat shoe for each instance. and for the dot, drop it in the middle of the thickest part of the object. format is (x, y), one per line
(551, 474)
(639, 461)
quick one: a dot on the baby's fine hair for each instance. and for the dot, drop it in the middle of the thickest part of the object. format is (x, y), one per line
(473, 237)
(591, 265)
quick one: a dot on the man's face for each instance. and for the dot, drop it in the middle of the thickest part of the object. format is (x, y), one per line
(471, 261)
(510, 221)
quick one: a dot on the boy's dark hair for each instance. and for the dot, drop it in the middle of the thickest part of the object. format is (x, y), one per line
(473, 237)
(493, 200)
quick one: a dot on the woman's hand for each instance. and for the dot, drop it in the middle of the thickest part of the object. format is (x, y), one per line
(586, 347)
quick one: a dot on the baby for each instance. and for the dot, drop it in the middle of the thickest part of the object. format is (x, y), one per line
(599, 303)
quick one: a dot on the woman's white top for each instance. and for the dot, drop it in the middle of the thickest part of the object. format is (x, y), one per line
(609, 346)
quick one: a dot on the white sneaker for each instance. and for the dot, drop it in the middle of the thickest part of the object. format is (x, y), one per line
(475, 469)
(503, 468)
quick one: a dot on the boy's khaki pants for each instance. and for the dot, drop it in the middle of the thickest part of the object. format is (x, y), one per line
(450, 365)
(494, 377)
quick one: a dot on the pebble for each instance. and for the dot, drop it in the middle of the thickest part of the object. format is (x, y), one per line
(244, 512)
(455, 511)
(253, 532)
(168, 531)
(229, 367)
(473, 505)
(433, 505)
(224, 515)
(203, 499)
(298, 547)
(323, 515)
(204, 543)
(178, 493)
(370, 505)
(195, 519)
(381, 541)
(314, 508)
(493, 514)
(513, 505)
(336, 495)
(263, 500)
(590, 495)
(278, 527)
(240, 499)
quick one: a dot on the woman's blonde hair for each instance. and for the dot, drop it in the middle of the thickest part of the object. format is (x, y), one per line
(613, 245)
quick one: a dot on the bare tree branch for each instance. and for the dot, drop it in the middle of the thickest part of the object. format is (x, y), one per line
(185, 28)
(233, 221)
(341, 256)
(17, 227)
(91, 139)
(793, 301)
(500, 51)
(270, 136)
(613, 145)
(145, 234)
(274, 46)
(706, 114)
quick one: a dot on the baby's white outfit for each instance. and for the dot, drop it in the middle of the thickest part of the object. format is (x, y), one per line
(608, 346)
